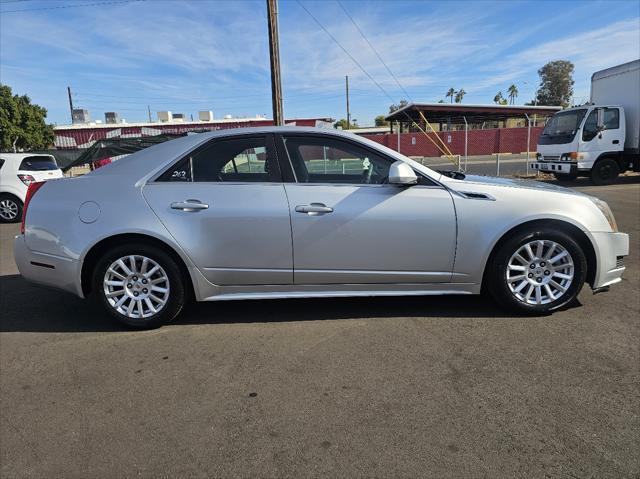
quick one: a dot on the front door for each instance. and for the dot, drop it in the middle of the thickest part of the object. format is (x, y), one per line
(594, 142)
(225, 204)
(350, 226)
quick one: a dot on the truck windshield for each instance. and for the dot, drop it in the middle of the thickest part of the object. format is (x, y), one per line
(564, 123)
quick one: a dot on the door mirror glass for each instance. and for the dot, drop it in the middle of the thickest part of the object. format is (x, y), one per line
(401, 173)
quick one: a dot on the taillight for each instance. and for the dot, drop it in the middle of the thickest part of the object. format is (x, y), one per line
(27, 179)
(31, 191)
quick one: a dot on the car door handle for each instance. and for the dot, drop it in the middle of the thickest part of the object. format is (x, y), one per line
(314, 209)
(615, 142)
(189, 205)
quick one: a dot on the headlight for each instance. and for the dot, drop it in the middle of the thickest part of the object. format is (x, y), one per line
(606, 211)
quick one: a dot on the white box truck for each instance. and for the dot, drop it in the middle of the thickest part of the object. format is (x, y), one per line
(599, 139)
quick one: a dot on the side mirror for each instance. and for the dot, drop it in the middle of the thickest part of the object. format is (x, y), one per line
(402, 174)
(600, 119)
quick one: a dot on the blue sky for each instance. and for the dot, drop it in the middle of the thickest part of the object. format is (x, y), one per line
(190, 55)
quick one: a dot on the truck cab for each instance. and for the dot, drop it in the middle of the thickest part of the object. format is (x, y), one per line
(574, 141)
(600, 139)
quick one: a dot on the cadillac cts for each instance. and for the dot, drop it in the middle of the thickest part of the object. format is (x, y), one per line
(286, 212)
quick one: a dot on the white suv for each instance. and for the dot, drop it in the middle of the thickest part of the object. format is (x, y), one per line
(17, 172)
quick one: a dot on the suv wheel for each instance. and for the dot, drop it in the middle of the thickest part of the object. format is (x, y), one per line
(537, 271)
(10, 209)
(139, 285)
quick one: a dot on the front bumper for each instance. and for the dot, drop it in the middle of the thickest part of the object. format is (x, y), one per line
(611, 248)
(46, 269)
(563, 167)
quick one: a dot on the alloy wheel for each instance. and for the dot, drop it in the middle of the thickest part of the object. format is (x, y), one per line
(540, 272)
(136, 286)
(8, 209)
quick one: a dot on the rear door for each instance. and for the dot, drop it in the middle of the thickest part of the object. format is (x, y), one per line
(350, 226)
(225, 204)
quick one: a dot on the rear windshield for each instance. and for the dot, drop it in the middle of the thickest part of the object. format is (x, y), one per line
(38, 163)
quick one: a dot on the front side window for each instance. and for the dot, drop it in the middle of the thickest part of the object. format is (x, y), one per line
(233, 160)
(611, 122)
(329, 160)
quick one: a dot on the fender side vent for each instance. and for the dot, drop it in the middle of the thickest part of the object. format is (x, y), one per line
(476, 196)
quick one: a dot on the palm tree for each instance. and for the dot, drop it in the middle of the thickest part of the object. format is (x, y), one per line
(451, 93)
(499, 99)
(513, 93)
(460, 95)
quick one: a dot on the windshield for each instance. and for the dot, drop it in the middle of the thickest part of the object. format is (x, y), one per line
(38, 163)
(564, 123)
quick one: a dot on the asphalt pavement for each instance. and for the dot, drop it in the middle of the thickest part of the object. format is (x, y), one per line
(389, 387)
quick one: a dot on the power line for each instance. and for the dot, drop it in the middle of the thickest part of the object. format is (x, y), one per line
(353, 59)
(95, 4)
(374, 50)
(370, 77)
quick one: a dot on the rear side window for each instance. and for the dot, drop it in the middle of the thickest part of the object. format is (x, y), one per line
(38, 163)
(1, 163)
(233, 160)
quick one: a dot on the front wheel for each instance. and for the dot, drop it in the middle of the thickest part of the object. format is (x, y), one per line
(537, 271)
(139, 285)
(605, 172)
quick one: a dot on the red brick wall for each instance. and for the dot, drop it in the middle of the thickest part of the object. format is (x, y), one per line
(479, 142)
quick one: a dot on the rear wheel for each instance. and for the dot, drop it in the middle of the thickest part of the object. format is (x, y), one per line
(139, 285)
(537, 271)
(605, 172)
(10, 209)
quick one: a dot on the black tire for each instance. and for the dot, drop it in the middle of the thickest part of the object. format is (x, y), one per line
(13, 202)
(496, 277)
(176, 290)
(605, 172)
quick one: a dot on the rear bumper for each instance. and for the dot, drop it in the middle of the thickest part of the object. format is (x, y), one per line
(46, 269)
(611, 248)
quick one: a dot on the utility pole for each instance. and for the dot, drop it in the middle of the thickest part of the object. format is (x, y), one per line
(274, 53)
(149, 111)
(70, 103)
(348, 111)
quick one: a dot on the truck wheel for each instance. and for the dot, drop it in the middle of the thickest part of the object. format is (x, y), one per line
(605, 172)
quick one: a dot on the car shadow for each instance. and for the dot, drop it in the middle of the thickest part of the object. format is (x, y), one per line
(29, 308)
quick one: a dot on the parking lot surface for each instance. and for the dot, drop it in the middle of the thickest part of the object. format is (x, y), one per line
(389, 387)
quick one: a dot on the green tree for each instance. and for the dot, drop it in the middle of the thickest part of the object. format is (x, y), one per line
(460, 95)
(342, 123)
(499, 99)
(513, 94)
(22, 124)
(380, 121)
(451, 93)
(395, 107)
(556, 83)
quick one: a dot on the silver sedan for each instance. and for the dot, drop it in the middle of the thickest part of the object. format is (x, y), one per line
(287, 212)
